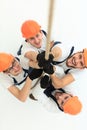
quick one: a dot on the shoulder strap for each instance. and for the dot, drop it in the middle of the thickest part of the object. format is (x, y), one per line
(48, 91)
(25, 72)
(56, 42)
(19, 51)
(66, 71)
(59, 62)
(16, 83)
(54, 99)
(44, 32)
(50, 88)
(17, 59)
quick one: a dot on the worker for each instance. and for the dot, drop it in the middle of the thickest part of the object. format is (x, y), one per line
(35, 42)
(73, 66)
(12, 76)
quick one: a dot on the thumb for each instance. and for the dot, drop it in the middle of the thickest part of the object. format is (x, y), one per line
(51, 44)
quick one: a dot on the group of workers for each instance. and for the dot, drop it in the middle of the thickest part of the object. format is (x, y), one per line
(31, 64)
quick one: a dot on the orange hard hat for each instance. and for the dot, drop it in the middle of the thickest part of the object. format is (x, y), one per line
(72, 106)
(5, 61)
(30, 28)
(85, 56)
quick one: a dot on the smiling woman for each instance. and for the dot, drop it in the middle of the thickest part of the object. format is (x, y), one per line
(69, 27)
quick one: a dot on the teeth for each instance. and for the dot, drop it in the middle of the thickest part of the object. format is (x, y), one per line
(73, 61)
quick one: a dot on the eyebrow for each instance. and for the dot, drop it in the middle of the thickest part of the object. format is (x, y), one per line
(66, 97)
(14, 60)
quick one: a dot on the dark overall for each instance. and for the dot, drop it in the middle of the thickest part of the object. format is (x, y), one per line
(48, 92)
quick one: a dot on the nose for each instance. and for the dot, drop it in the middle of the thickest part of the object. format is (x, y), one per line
(60, 96)
(77, 60)
(36, 39)
(15, 68)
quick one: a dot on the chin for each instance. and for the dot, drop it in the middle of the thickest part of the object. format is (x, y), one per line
(39, 46)
(18, 72)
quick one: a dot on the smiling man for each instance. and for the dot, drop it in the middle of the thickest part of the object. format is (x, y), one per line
(77, 60)
(72, 68)
(12, 76)
(66, 102)
(35, 40)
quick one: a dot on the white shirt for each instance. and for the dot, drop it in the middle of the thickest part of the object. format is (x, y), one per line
(47, 103)
(28, 47)
(7, 81)
(76, 73)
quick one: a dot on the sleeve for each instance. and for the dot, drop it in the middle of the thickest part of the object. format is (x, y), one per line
(27, 47)
(5, 81)
(48, 104)
(59, 71)
(65, 50)
(77, 74)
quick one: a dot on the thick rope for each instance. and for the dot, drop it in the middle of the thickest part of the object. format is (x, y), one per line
(50, 18)
(37, 81)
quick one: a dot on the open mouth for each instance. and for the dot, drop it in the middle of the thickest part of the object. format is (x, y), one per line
(38, 44)
(57, 94)
(73, 61)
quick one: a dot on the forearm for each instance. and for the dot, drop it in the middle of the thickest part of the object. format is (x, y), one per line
(33, 64)
(24, 92)
(56, 52)
(57, 83)
(64, 81)
(31, 55)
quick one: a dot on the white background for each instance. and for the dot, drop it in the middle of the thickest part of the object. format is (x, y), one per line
(70, 27)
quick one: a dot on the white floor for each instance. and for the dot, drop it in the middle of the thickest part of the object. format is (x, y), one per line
(69, 26)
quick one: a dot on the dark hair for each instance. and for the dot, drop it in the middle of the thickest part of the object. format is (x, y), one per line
(63, 91)
(48, 92)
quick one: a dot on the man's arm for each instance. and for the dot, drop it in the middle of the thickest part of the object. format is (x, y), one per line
(56, 52)
(60, 83)
(31, 55)
(24, 92)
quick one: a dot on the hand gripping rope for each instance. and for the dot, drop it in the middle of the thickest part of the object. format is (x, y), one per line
(50, 19)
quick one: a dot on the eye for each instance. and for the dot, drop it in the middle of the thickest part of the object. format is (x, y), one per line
(62, 103)
(37, 35)
(81, 63)
(32, 38)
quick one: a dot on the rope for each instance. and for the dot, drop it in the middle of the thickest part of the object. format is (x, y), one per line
(37, 81)
(31, 95)
(50, 18)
